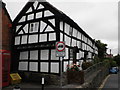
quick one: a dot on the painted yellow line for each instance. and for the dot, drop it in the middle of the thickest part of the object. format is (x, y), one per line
(102, 85)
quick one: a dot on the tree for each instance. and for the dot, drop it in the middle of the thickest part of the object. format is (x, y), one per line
(117, 59)
(101, 49)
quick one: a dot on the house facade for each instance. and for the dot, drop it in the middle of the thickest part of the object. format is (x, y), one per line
(37, 28)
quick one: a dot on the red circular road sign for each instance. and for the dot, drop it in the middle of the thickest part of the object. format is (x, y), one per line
(60, 46)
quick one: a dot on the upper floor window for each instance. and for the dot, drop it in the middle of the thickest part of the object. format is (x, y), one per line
(34, 27)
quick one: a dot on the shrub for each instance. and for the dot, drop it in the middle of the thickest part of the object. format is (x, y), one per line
(73, 67)
(85, 65)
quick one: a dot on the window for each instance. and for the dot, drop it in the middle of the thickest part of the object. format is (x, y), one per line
(17, 40)
(33, 66)
(52, 36)
(70, 31)
(53, 55)
(67, 27)
(34, 27)
(61, 26)
(65, 65)
(34, 55)
(74, 32)
(23, 66)
(24, 55)
(44, 54)
(24, 39)
(44, 67)
(55, 67)
(67, 40)
(33, 38)
(43, 38)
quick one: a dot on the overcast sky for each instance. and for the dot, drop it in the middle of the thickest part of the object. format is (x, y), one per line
(98, 18)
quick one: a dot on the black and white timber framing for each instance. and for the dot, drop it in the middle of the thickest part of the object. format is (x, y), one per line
(37, 28)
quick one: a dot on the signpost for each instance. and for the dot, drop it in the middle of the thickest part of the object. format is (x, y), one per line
(60, 49)
(60, 52)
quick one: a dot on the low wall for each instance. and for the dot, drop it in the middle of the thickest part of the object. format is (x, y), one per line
(50, 79)
(95, 80)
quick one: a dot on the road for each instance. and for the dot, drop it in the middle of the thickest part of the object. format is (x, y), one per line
(112, 82)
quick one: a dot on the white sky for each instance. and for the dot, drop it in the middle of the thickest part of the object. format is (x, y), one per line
(98, 18)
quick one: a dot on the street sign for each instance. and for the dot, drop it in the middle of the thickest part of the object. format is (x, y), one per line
(60, 49)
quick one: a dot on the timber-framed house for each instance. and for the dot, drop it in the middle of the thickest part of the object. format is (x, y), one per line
(37, 28)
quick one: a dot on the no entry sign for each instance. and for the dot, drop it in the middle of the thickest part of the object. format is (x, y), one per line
(60, 49)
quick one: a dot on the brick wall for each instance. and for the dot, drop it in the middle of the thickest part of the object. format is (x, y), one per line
(5, 32)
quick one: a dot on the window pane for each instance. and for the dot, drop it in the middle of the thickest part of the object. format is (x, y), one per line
(23, 55)
(52, 36)
(67, 28)
(23, 65)
(66, 53)
(44, 67)
(33, 38)
(24, 39)
(33, 66)
(44, 54)
(34, 55)
(17, 40)
(61, 36)
(67, 40)
(61, 26)
(53, 55)
(34, 27)
(65, 66)
(74, 32)
(73, 42)
(43, 37)
(55, 67)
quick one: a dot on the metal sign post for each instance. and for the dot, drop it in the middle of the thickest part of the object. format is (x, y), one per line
(60, 49)
(60, 52)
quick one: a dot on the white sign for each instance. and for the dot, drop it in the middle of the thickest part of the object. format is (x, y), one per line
(42, 80)
(60, 49)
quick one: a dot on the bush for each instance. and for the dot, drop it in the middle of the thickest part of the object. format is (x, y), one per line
(85, 65)
(73, 67)
(96, 59)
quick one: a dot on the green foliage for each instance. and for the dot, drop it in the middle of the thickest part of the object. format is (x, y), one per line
(85, 65)
(101, 49)
(110, 62)
(96, 59)
(73, 68)
(117, 59)
(106, 62)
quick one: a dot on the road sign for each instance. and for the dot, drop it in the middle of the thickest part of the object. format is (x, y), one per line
(60, 49)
